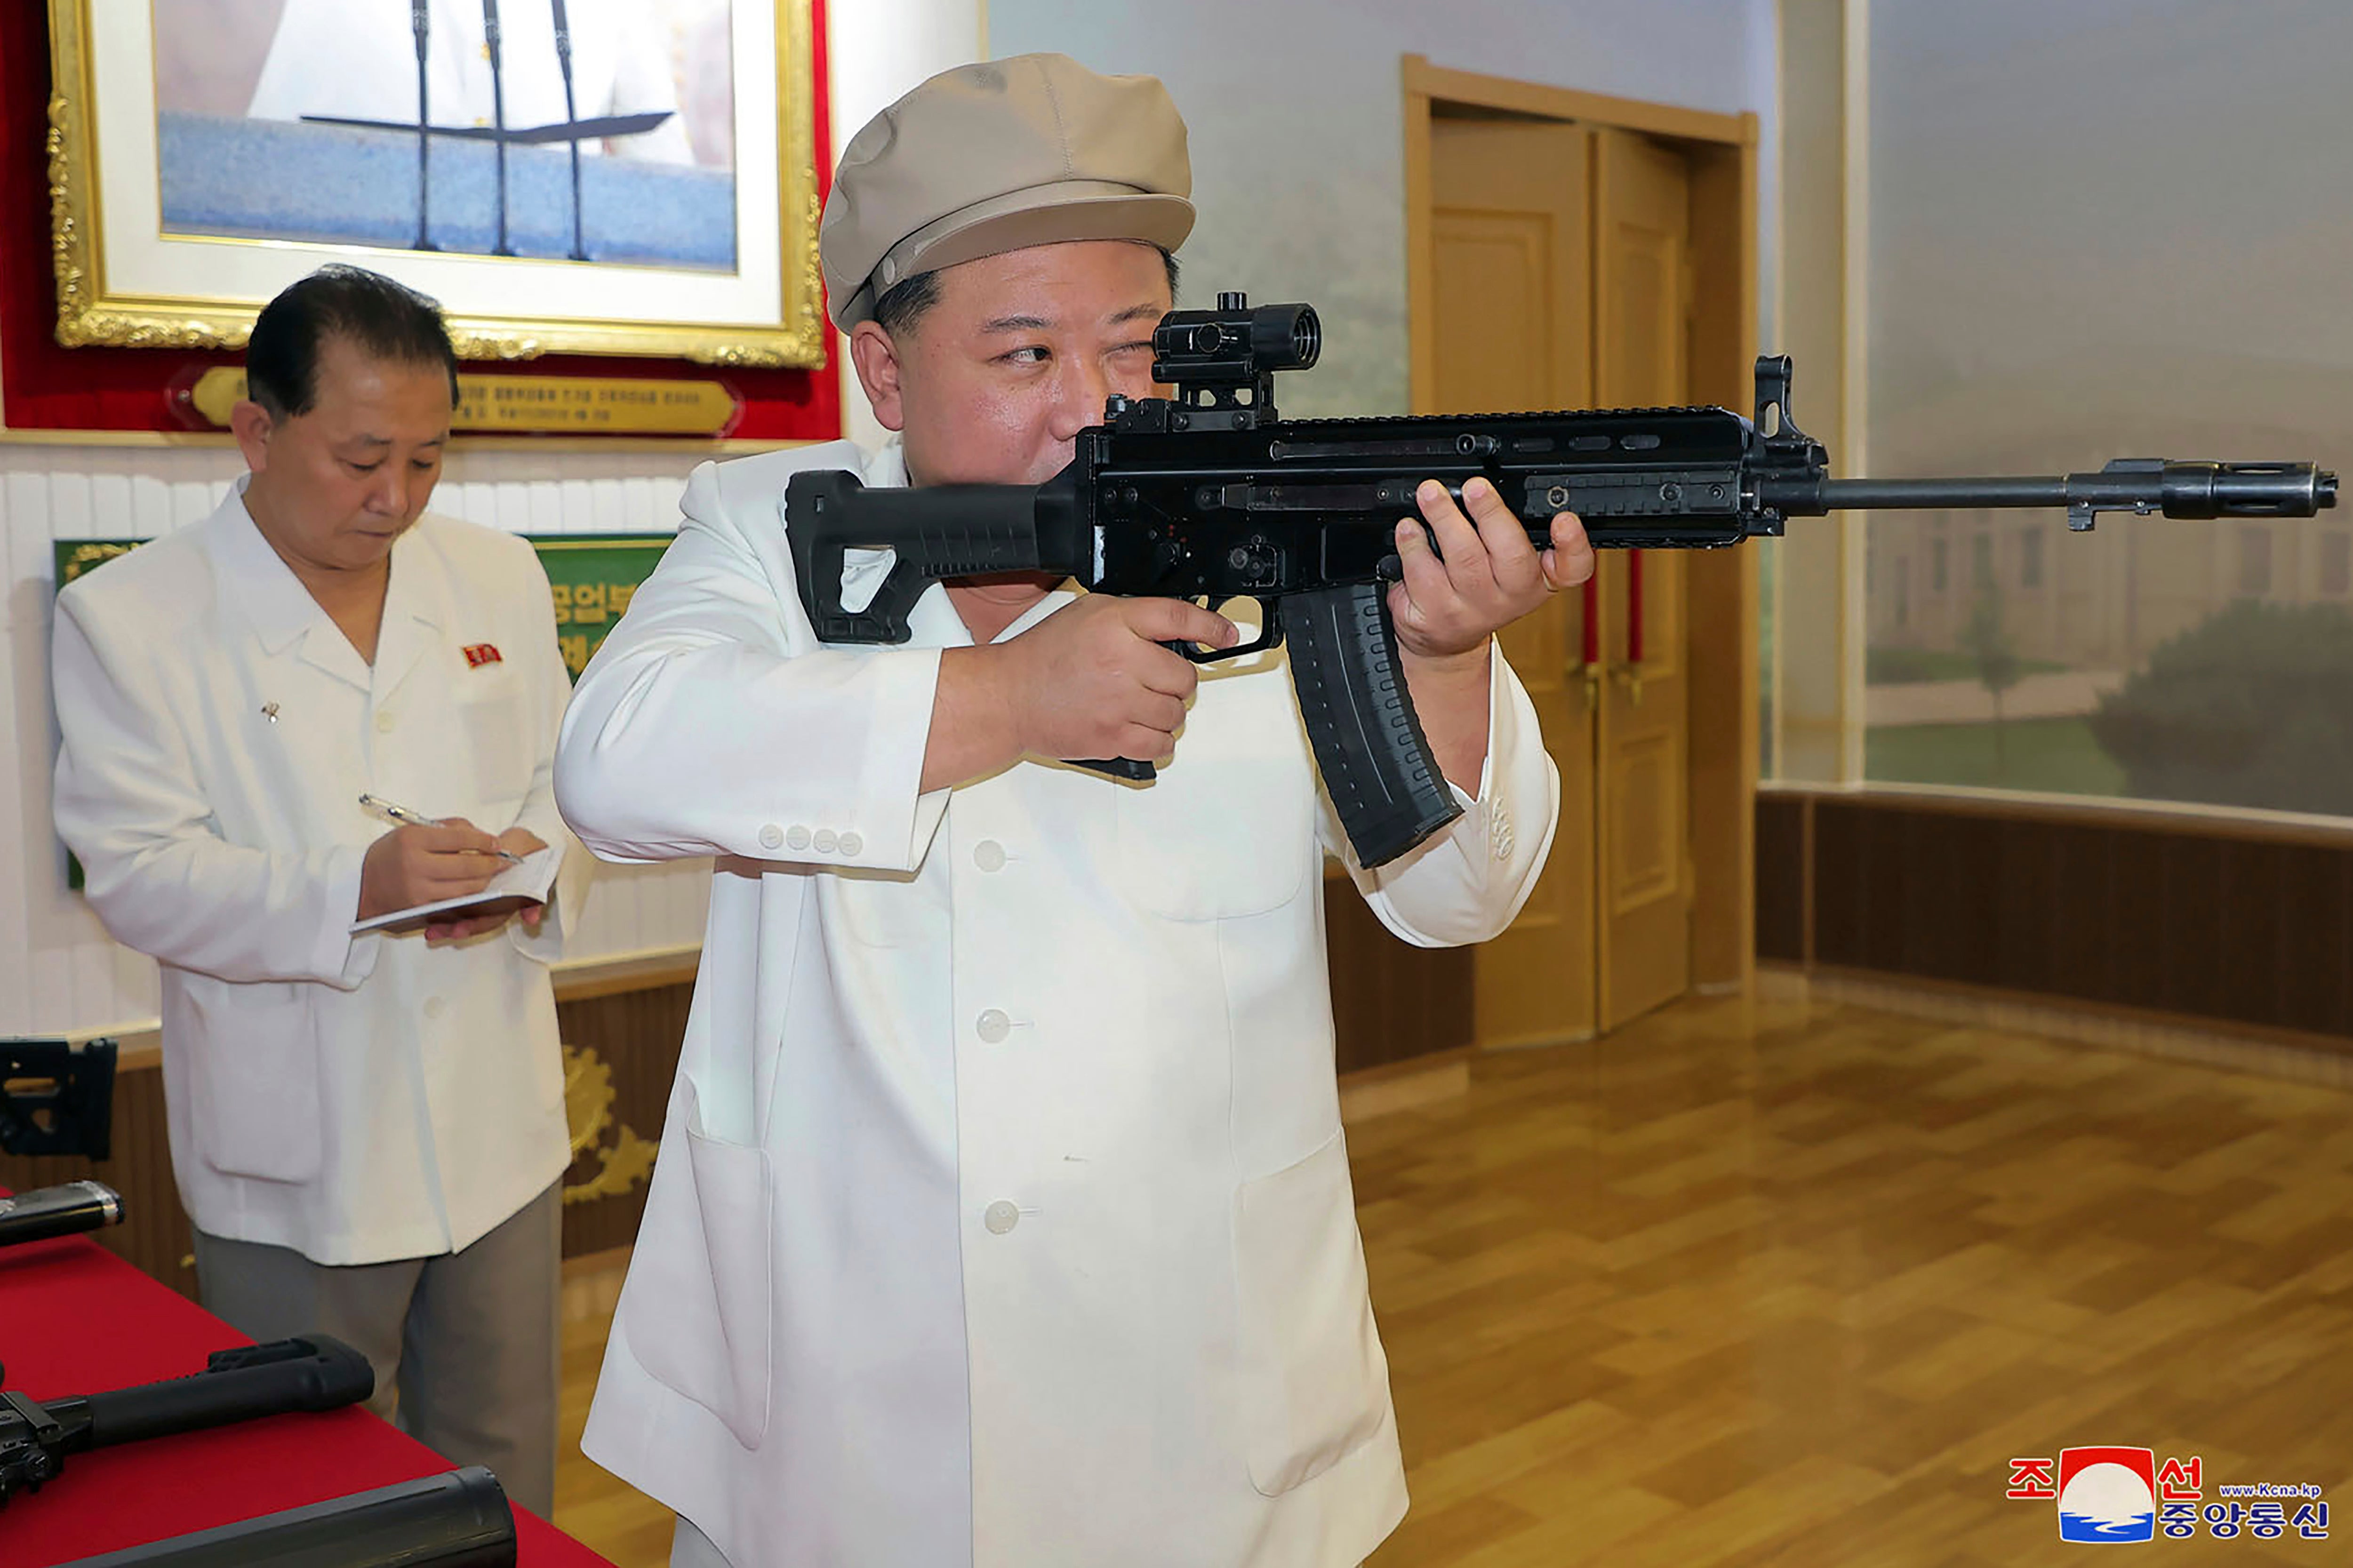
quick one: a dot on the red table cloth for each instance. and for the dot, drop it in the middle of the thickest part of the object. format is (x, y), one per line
(75, 1318)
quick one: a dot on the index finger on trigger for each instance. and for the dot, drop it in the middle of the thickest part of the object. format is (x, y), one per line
(1180, 620)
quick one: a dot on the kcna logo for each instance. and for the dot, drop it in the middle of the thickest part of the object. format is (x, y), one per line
(2124, 1494)
(2107, 1494)
(2104, 1494)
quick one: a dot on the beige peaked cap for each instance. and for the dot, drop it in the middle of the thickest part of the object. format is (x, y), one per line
(986, 158)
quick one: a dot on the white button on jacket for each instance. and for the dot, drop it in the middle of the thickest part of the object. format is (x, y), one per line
(219, 730)
(903, 1298)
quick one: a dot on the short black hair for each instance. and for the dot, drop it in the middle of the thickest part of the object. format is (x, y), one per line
(904, 302)
(386, 320)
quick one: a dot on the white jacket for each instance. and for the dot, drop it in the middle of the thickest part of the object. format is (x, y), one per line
(357, 1100)
(1003, 1216)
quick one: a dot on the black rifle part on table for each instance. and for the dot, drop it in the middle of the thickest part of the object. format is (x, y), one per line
(68, 1208)
(316, 1372)
(57, 1097)
(460, 1520)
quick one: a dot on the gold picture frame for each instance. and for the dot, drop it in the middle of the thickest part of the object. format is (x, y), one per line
(120, 270)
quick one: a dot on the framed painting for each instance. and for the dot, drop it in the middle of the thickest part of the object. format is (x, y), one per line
(565, 176)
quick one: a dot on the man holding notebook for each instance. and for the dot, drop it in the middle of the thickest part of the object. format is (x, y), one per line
(367, 1115)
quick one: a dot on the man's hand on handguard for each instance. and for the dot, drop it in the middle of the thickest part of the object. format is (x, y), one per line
(1483, 575)
(1090, 680)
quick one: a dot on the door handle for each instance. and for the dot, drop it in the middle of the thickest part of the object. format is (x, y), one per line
(1628, 674)
(1634, 608)
(1591, 661)
(1629, 670)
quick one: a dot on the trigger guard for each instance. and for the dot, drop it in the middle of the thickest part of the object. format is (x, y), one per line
(1270, 635)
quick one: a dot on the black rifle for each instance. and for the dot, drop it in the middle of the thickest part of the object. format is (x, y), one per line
(314, 1372)
(1208, 495)
(460, 1520)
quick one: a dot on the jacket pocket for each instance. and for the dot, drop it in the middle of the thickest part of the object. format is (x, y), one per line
(696, 1306)
(1315, 1382)
(253, 1079)
(498, 731)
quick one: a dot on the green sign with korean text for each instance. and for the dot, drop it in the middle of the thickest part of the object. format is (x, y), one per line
(593, 576)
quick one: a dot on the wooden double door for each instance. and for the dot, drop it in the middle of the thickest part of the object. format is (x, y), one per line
(1561, 277)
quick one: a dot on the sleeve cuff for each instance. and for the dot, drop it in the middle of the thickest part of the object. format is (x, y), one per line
(895, 821)
(341, 958)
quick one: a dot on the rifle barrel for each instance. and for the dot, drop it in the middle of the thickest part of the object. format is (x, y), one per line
(2142, 485)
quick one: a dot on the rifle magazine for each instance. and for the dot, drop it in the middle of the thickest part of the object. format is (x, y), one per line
(1377, 766)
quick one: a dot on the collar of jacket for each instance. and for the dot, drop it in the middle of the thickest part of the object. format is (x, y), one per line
(264, 589)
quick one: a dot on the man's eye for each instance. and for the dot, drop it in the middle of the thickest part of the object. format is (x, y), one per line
(1141, 345)
(1032, 356)
(426, 465)
(363, 467)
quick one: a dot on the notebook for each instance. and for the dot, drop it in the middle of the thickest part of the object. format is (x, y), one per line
(526, 883)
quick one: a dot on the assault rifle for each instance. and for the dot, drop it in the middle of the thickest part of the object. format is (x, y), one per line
(1207, 494)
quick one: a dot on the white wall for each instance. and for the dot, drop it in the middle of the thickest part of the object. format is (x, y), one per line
(1295, 114)
(59, 971)
(879, 48)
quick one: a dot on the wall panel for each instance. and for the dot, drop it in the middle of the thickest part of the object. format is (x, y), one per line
(2237, 921)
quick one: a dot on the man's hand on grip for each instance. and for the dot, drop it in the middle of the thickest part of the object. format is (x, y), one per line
(1092, 679)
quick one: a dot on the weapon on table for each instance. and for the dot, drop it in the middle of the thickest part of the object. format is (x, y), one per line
(1209, 494)
(314, 1373)
(68, 1209)
(460, 1520)
(57, 1098)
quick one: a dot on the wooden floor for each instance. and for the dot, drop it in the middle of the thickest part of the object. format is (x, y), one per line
(1791, 1284)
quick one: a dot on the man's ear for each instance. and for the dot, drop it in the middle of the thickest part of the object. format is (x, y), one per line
(879, 371)
(251, 424)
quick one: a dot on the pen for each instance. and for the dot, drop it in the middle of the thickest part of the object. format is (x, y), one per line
(384, 807)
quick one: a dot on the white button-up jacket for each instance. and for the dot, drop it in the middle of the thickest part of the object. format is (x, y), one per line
(1003, 1216)
(357, 1100)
